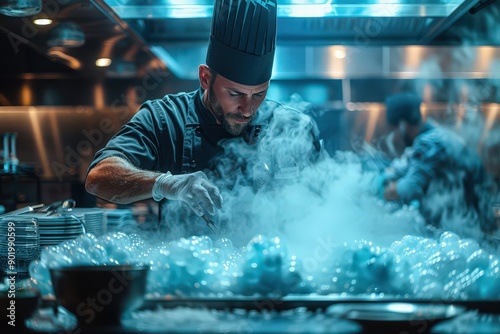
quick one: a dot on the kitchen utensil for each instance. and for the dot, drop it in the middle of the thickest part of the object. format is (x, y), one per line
(211, 225)
(59, 206)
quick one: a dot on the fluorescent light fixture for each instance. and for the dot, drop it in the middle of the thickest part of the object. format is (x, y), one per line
(103, 62)
(321, 10)
(158, 9)
(42, 22)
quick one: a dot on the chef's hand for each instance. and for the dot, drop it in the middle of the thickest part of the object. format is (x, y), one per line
(195, 189)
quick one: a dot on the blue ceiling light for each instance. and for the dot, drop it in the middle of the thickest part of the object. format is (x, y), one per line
(157, 9)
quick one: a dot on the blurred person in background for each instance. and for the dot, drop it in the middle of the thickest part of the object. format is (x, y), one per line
(163, 151)
(436, 173)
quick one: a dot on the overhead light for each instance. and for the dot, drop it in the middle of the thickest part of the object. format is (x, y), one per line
(339, 53)
(103, 62)
(42, 22)
(66, 34)
(19, 8)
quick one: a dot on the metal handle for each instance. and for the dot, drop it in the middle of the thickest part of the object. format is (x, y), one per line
(24, 210)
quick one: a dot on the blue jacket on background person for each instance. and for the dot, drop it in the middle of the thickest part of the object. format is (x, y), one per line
(437, 172)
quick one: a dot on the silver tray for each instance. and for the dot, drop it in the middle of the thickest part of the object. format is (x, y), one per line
(310, 302)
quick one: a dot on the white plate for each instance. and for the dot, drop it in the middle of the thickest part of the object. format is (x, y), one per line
(395, 316)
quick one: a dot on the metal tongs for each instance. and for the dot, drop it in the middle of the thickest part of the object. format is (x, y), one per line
(59, 207)
(64, 208)
(211, 225)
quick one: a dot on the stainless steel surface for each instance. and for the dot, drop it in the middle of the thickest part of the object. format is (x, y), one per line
(309, 302)
(299, 62)
(305, 21)
(126, 31)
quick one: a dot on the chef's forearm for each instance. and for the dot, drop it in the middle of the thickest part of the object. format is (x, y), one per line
(116, 180)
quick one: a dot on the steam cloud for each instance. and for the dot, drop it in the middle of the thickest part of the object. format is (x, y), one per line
(321, 205)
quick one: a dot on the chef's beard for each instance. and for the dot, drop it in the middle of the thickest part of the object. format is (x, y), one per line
(216, 109)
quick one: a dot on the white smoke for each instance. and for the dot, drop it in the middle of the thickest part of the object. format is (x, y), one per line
(319, 206)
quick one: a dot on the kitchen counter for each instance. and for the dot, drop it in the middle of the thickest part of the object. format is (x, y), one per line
(189, 317)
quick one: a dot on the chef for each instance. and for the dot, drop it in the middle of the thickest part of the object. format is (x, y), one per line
(435, 164)
(163, 151)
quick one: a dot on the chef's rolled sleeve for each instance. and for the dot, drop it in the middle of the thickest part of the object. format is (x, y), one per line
(136, 142)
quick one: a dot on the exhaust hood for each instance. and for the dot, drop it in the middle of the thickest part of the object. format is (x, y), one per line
(310, 21)
(325, 39)
(158, 9)
(316, 39)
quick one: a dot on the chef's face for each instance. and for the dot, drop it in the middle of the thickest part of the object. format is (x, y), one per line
(233, 105)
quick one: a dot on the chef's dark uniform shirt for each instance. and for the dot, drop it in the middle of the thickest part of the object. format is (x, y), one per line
(178, 134)
(175, 133)
(439, 162)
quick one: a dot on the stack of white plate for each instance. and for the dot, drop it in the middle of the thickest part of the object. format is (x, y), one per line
(57, 228)
(94, 218)
(117, 217)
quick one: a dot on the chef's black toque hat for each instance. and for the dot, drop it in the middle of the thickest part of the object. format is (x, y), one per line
(243, 40)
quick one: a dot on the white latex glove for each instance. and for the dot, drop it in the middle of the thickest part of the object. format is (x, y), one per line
(195, 189)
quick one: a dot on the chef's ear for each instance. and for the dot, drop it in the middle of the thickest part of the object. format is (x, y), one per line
(205, 76)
